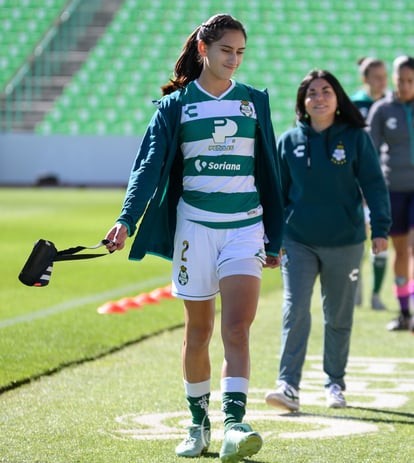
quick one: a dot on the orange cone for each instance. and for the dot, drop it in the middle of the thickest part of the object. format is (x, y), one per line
(129, 303)
(157, 294)
(167, 292)
(160, 293)
(110, 307)
(145, 298)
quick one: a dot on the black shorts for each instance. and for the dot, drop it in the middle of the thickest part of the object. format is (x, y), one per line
(402, 212)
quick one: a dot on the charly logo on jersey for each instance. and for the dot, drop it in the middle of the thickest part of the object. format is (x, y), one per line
(339, 155)
(299, 151)
(391, 123)
(191, 111)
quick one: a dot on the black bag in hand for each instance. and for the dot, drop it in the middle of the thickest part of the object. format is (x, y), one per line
(38, 268)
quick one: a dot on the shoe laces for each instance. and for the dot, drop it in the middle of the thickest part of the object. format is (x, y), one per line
(289, 391)
(195, 428)
(241, 427)
(336, 391)
(202, 428)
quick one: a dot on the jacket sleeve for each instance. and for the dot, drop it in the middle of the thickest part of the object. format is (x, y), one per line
(268, 180)
(284, 170)
(146, 171)
(375, 126)
(371, 180)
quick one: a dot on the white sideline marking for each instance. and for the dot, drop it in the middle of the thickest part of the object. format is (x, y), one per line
(73, 303)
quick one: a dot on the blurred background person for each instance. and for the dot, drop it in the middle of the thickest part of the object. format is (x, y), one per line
(390, 121)
(374, 78)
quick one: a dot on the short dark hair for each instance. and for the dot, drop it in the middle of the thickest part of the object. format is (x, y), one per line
(366, 64)
(347, 111)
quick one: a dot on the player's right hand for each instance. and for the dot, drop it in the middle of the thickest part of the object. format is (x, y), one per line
(117, 236)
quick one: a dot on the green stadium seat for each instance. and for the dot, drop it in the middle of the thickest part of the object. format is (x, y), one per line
(22, 25)
(113, 90)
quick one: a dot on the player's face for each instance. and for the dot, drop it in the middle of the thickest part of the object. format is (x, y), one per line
(320, 101)
(377, 80)
(404, 83)
(222, 58)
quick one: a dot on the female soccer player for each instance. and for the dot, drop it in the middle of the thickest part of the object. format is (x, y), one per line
(206, 185)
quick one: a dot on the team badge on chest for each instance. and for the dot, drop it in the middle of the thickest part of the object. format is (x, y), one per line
(339, 155)
(246, 109)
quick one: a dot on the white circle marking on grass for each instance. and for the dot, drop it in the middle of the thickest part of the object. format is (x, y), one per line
(154, 426)
(382, 384)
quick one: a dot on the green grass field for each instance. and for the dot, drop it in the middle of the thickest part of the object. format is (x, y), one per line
(80, 387)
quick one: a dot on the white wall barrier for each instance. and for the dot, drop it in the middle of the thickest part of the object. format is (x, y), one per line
(30, 159)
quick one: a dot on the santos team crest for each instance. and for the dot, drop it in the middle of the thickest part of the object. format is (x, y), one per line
(339, 155)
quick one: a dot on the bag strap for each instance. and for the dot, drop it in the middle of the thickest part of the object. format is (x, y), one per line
(68, 254)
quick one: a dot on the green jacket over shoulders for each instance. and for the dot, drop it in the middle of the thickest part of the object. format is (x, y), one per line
(156, 180)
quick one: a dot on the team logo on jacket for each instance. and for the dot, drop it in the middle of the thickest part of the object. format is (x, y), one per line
(246, 109)
(183, 276)
(339, 156)
(391, 123)
(299, 151)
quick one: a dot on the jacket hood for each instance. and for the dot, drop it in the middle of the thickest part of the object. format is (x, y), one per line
(334, 129)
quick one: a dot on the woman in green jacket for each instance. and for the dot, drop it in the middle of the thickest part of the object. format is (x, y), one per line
(325, 163)
(207, 188)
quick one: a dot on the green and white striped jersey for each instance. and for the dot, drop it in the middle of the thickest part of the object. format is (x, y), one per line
(217, 138)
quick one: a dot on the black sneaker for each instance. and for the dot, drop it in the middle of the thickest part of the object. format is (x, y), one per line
(403, 322)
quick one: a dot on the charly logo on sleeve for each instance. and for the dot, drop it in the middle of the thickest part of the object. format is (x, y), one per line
(391, 123)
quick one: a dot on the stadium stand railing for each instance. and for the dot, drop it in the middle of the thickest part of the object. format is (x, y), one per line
(49, 30)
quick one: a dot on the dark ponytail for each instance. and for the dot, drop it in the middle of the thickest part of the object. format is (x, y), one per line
(189, 64)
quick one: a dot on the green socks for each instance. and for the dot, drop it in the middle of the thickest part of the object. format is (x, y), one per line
(199, 409)
(379, 264)
(234, 408)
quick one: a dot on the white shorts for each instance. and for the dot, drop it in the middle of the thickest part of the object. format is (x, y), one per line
(203, 255)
